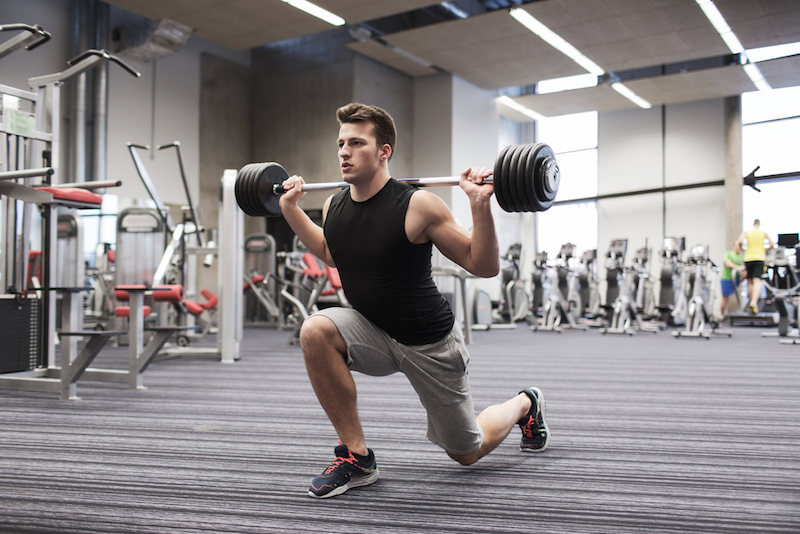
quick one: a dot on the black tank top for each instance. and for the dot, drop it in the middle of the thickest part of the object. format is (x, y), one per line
(385, 276)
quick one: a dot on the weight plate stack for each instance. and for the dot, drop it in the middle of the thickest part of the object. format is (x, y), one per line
(523, 177)
(511, 178)
(500, 163)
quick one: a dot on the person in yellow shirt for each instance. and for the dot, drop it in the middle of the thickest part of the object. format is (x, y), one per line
(754, 256)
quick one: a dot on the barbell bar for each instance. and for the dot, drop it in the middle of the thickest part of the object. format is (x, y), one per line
(525, 178)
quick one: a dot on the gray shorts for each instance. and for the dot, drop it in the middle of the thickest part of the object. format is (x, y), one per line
(438, 373)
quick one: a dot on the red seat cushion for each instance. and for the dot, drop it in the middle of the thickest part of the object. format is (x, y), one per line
(78, 194)
(255, 280)
(125, 311)
(333, 277)
(193, 307)
(211, 299)
(121, 291)
(312, 266)
(168, 293)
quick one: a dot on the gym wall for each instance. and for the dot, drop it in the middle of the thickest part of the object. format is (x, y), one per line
(662, 147)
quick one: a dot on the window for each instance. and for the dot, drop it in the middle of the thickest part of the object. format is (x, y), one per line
(573, 138)
(770, 137)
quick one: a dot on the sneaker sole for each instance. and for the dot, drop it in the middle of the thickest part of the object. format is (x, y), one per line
(360, 481)
(540, 397)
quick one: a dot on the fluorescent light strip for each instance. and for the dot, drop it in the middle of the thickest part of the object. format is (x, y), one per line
(315, 10)
(714, 16)
(455, 10)
(410, 56)
(509, 102)
(733, 43)
(773, 52)
(754, 73)
(630, 95)
(554, 40)
(567, 83)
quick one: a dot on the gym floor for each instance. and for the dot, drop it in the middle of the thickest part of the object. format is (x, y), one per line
(648, 434)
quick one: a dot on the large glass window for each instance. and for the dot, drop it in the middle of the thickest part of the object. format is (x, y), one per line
(770, 137)
(573, 138)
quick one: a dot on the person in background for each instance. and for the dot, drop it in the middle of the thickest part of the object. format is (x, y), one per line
(733, 264)
(754, 256)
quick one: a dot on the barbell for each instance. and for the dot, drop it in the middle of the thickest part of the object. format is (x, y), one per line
(526, 178)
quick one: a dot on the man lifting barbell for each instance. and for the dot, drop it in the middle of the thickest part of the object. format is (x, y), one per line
(379, 233)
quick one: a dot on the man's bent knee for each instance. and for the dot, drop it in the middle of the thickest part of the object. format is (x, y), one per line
(466, 459)
(319, 331)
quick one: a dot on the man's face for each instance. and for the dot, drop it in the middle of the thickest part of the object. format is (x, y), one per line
(359, 153)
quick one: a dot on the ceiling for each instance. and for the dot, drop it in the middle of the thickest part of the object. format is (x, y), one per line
(492, 50)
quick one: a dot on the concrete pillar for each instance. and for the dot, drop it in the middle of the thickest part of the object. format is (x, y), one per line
(734, 181)
(733, 169)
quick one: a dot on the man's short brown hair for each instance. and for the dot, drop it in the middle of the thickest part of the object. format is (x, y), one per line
(382, 123)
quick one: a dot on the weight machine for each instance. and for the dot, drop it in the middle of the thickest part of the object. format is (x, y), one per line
(174, 266)
(624, 315)
(783, 283)
(702, 277)
(560, 312)
(514, 304)
(589, 284)
(538, 281)
(30, 141)
(670, 281)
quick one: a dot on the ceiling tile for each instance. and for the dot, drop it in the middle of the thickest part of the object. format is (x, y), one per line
(784, 72)
(692, 86)
(379, 52)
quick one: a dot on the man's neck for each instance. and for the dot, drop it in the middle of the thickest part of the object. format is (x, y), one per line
(361, 192)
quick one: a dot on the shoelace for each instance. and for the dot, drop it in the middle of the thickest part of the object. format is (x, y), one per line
(339, 461)
(527, 428)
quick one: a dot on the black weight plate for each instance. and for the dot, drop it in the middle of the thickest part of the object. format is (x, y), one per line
(530, 179)
(544, 196)
(552, 181)
(272, 174)
(551, 187)
(512, 179)
(252, 190)
(520, 177)
(240, 189)
(498, 176)
(505, 181)
(247, 190)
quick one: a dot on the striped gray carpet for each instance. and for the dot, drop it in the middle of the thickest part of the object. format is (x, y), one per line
(649, 434)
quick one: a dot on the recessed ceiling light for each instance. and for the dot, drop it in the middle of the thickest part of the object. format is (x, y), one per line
(315, 10)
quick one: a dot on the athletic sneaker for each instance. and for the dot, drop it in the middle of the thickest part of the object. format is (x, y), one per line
(345, 472)
(535, 433)
(753, 308)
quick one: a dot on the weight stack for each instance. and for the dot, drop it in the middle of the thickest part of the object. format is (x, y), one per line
(19, 330)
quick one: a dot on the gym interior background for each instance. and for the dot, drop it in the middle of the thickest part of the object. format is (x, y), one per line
(272, 103)
(230, 100)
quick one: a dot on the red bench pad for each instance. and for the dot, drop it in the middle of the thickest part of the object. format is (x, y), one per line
(125, 311)
(77, 194)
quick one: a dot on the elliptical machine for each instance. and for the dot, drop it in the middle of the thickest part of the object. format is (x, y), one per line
(670, 280)
(538, 281)
(625, 315)
(589, 284)
(700, 309)
(559, 312)
(514, 303)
